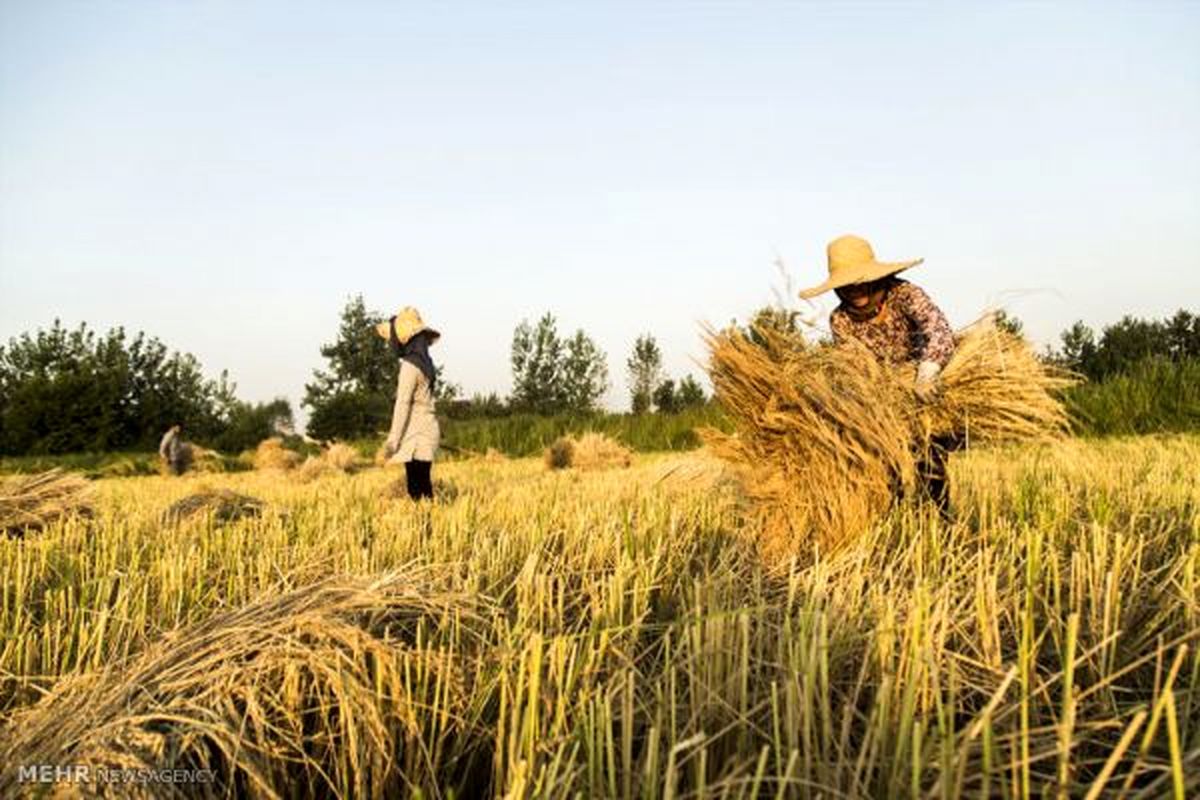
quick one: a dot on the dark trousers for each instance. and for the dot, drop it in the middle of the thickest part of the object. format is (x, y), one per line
(931, 471)
(420, 481)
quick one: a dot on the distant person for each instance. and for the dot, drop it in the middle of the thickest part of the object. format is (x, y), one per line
(415, 434)
(897, 322)
(173, 451)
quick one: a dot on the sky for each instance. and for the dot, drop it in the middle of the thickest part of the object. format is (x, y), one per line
(226, 175)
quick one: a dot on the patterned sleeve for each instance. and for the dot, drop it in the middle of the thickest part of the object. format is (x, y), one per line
(936, 335)
(837, 326)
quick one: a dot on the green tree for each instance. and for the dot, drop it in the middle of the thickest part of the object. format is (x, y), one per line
(772, 319)
(666, 400)
(691, 393)
(644, 372)
(537, 363)
(1078, 348)
(1009, 323)
(584, 373)
(74, 390)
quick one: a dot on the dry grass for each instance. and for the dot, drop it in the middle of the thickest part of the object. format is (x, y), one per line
(696, 471)
(825, 437)
(996, 390)
(622, 639)
(306, 685)
(589, 451)
(31, 503)
(206, 461)
(560, 453)
(341, 457)
(337, 459)
(225, 505)
(271, 454)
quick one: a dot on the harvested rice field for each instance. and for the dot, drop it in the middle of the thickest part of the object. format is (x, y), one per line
(614, 633)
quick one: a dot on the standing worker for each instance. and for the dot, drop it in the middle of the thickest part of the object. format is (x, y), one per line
(415, 434)
(174, 452)
(898, 323)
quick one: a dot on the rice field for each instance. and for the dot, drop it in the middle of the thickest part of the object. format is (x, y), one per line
(616, 633)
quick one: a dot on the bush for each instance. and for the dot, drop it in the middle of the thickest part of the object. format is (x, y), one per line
(1152, 396)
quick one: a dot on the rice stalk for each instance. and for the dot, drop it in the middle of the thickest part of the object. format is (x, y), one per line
(34, 502)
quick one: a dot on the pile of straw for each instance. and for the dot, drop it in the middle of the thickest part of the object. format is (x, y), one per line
(337, 459)
(589, 451)
(225, 505)
(206, 461)
(825, 437)
(31, 503)
(310, 681)
(271, 454)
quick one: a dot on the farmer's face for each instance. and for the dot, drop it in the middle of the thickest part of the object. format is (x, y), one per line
(860, 295)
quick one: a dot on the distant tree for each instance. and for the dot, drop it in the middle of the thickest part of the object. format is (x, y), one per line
(353, 396)
(247, 424)
(644, 372)
(666, 400)
(1182, 333)
(1128, 342)
(1078, 348)
(584, 374)
(73, 390)
(1008, 322)
(537, 362)
(690, 393)
(443, 390)
(772, 319)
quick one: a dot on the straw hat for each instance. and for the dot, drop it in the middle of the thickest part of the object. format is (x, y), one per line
(851, 260)
(408, 324)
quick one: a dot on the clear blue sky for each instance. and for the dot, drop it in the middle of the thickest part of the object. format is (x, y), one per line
(225, 175)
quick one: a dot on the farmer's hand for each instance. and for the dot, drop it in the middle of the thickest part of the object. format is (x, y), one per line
(926, 386)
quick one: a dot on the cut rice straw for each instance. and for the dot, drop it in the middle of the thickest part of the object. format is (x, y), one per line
(827, 436)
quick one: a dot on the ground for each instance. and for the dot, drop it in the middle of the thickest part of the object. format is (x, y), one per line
(616, 633)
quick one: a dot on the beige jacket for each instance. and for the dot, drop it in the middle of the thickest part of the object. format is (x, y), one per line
(415, 433)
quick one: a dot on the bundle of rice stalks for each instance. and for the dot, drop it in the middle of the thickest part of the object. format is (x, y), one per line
(589, 451)
(822, 436)
(225, 505)
(206, 461)
(995, 389)
(560, 453)
(312, 469)
(337, 459)
(827, 436)
(341, 457)
(30, 503)
(305, 693)
(271, 454)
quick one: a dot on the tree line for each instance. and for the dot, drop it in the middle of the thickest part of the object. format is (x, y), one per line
(552, 373)
(75, 390)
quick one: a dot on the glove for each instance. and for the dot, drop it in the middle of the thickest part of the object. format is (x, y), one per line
(926, 387)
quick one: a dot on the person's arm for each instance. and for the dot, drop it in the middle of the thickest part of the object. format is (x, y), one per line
(164, 445)
(837, 326)
(406, 385)
(935, 329)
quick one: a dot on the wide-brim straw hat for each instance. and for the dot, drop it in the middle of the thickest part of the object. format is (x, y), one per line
(408, 324)
(851, 260)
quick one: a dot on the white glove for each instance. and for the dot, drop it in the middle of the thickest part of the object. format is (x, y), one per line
(926, 386)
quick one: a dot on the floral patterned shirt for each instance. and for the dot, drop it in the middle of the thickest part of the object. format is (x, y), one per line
(908, 328)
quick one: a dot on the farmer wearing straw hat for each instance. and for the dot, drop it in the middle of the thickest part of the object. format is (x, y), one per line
(415, 434)
(897, 322)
